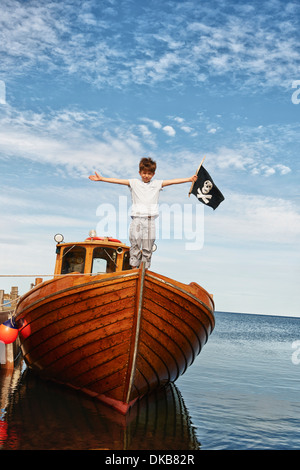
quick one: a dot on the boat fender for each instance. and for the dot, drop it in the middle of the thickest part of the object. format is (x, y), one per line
(8, 331)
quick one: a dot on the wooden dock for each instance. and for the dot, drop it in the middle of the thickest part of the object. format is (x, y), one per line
(8, 352)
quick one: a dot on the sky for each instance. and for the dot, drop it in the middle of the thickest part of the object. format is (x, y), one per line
(91, 85)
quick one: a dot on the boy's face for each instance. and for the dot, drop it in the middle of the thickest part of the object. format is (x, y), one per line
(146, 175)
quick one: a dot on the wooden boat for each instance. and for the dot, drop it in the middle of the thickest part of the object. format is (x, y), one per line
(117, 334)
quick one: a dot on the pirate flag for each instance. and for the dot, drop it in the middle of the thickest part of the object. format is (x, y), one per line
(205, 189)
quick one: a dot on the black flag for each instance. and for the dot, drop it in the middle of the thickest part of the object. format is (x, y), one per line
(205, 189)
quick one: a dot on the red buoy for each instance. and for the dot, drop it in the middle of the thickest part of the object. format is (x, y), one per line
(8, 332)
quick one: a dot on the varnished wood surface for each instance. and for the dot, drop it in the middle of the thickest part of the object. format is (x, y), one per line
(114, 336)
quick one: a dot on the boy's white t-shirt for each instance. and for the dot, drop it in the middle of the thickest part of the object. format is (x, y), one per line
(144, 197)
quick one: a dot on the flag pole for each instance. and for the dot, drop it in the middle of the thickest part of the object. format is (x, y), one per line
(190, 191)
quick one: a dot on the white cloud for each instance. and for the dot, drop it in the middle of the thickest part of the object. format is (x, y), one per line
(283, 169)
(178, 119)
(267, 170)
(187, 129)
(211, 130)
(169, 130)
(69, 139)
(86, 141)
(255, 218)
(246, 159)
(144, 130)
(153, 122)
(230, 158)
(253, 49)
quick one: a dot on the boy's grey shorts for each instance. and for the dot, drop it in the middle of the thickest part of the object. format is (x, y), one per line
(142, 238)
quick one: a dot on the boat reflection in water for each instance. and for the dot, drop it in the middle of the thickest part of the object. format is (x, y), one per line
(39, 414)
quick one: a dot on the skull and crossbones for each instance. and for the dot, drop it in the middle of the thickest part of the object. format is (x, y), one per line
(207, 186)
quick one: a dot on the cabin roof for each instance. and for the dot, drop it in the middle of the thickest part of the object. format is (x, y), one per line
(95, 242)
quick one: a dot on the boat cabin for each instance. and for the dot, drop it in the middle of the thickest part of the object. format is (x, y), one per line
(96, 255)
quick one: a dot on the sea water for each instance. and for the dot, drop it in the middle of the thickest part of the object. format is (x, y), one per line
(244, 389)
(242, 392)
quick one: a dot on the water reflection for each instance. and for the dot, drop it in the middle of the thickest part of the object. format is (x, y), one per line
(36, 414)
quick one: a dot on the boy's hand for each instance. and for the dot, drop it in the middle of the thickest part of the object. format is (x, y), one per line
(194, 178)
(95, 177)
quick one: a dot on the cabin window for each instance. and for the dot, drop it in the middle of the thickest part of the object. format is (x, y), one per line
(104, 260)
(126, 264)
(73, 260)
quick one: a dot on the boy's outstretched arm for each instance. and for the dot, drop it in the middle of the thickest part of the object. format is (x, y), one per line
(192, 179)
(97, 177)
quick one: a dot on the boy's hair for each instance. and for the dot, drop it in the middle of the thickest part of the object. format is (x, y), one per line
(147, 164)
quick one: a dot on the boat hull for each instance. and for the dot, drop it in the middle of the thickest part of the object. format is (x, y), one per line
(114, 336)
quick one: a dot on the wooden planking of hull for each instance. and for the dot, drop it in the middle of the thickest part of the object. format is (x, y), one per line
(114, 336)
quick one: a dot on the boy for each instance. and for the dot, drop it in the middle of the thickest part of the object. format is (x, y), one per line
(145, 195)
